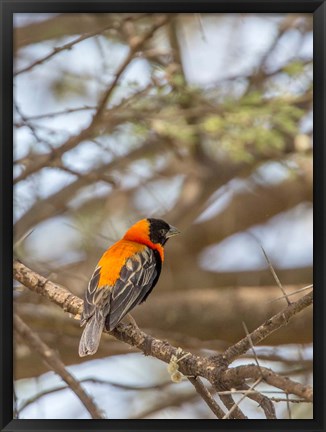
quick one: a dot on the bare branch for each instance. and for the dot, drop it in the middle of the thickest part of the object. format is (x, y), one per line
(64, 47)
(55, 364)
(279, 320)
(251, 344)
(206, 396)
(55, 293)
(293, 293)
(270, 377)
(43, 160)
(236, 405)
(56, 113)
(214, 369)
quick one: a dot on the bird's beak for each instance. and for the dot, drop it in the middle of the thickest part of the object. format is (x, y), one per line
(172, 232)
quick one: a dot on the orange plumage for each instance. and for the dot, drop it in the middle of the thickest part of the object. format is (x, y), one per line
(124, 277)
(114, 259)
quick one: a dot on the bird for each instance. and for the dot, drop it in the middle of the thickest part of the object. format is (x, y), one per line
(123, 278)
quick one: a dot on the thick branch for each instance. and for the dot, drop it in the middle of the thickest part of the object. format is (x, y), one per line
(206, 396)
(212, 368)
(55, 293)
(176, 317)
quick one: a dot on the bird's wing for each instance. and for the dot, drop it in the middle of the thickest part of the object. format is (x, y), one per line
(93, 296)
(137, 278)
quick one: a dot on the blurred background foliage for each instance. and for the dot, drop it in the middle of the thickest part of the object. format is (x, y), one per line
(209, 127)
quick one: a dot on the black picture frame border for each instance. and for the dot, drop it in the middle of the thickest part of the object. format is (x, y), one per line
(7, 8)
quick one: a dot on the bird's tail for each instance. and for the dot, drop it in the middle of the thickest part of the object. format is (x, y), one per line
(91, 336)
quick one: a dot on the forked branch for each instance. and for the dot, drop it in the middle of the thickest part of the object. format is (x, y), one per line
(215, 369)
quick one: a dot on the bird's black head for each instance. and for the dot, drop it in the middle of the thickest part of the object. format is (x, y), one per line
(160, 231)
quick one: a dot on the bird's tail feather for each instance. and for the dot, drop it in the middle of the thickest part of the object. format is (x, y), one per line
(91, 336)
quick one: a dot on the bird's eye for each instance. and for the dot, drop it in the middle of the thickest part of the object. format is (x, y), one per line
(162, 231)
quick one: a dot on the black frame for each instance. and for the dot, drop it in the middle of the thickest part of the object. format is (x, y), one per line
(7, 8)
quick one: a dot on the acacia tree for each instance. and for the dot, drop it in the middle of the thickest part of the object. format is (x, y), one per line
(114, 149)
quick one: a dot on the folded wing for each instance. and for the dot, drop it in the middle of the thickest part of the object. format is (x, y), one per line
(137, 278)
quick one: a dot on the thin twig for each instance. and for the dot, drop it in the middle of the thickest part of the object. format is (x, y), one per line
(32, 128)
(236, 405)
(234, 411)
(59, 113)
(239, 391)
(275, 275)
(274, 399)
(21, 240)
(251, 344)
(64, 47)
(292, 293)
(288, 406)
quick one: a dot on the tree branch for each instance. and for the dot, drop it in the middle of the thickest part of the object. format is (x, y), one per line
(253, 371)
(64, 47)
(58, 202)
(43, 160)
(206, 396)
(214, 369)
(277, 321)
(53, 361)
